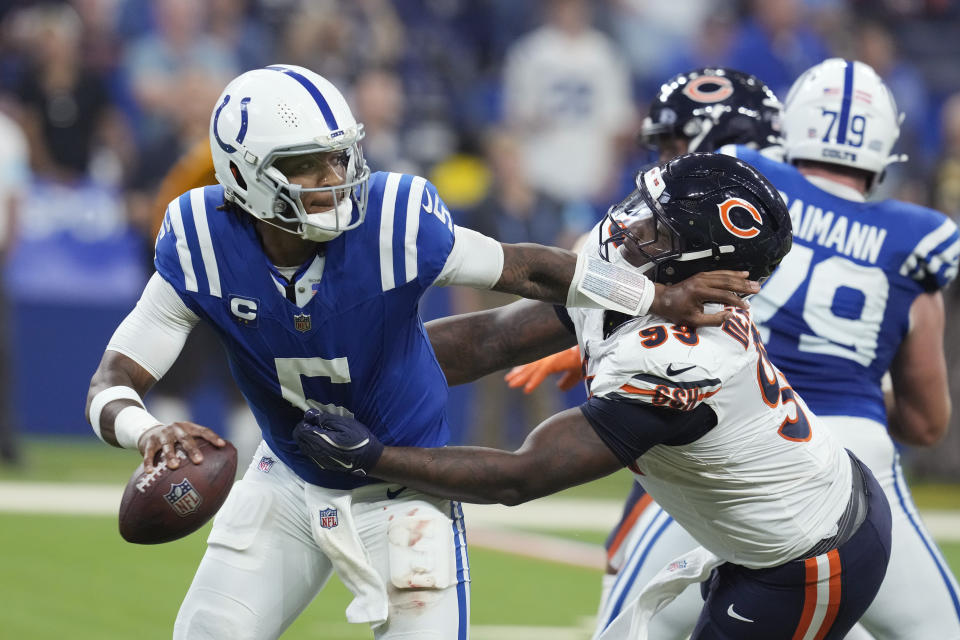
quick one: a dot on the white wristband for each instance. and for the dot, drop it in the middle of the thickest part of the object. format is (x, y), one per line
(131, 423)
(104, 398)
(598, 284)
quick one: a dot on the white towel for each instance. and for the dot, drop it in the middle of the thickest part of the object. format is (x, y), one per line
(631, 624)
(331, 520)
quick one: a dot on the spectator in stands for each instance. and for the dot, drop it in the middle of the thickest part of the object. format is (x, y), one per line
(67, 113)
(340, 39)
(775, 43)
(567, 100)
(512, 209)
(876, 47)
(380, 104)
(236, 26)
(157, 63)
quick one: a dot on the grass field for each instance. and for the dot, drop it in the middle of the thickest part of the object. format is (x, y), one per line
(72, 576)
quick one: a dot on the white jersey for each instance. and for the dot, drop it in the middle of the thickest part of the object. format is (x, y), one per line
(761, 487)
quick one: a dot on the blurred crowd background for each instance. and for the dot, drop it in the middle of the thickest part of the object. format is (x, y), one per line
(524, 114)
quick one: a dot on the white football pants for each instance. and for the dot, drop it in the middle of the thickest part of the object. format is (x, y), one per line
(919, 599)
(263, 566)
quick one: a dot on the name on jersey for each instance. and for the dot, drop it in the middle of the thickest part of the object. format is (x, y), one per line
(826, 228)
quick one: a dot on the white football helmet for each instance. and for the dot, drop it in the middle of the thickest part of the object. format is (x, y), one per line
(841, 112)
(279, 111)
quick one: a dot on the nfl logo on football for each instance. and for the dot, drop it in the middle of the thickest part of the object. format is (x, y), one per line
(328, 518)
(183, 498)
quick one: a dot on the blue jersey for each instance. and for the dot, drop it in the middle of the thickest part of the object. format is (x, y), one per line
(835, 311)
(357, 347)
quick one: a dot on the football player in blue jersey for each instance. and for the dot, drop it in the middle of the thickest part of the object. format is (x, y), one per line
(794, 528)
(310, 269)
(859, 295)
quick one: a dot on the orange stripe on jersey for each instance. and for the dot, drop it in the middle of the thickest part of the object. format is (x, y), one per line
(809, 598)
(628, 523)
(833, 602)
(642, 392)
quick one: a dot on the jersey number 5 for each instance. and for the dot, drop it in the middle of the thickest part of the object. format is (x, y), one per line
(290, 373)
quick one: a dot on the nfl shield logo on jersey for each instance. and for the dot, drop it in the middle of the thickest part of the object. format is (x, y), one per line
(301, 322)
(266, 463)
(183, 498)
(328, 518)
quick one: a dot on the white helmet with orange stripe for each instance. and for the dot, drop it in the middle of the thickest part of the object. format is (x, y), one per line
(841, 112)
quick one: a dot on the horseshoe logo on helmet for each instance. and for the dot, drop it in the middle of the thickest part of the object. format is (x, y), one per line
(727, 206)
(243, 124)
(708, 89)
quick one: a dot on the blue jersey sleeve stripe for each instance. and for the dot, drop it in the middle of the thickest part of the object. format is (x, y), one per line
(207, 253)
(314, 92)
(183, 249)
(845, 105)
(414, 207)
(400, 211)
(389, 203)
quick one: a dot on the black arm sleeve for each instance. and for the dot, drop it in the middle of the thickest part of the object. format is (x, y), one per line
(630, 429)
(564, 318)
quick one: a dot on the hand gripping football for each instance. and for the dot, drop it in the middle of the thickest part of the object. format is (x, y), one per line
(169, 504)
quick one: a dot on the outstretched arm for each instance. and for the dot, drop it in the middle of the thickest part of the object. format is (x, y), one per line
(472, 345)
(552, 275)
(562, 452)
(558, 276)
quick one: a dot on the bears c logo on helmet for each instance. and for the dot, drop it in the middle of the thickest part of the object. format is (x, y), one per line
(709, 89)
(726, 209)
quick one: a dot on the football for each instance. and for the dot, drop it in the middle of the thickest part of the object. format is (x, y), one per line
(167, 504)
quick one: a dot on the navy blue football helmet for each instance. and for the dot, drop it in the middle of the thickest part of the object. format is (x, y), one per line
(698, 212)
(711, 107)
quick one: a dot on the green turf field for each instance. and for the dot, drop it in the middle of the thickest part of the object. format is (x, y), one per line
(73, 577)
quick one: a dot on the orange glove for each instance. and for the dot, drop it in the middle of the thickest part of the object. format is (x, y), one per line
(529, 376)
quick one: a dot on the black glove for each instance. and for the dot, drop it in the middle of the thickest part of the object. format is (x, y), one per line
(337, 443)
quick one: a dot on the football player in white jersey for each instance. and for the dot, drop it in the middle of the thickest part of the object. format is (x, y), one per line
(796, 528)
(859, 295)
(310, 269)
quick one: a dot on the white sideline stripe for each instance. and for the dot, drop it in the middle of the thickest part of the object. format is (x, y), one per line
(60, 499)
(546, 513)
(542, 547)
